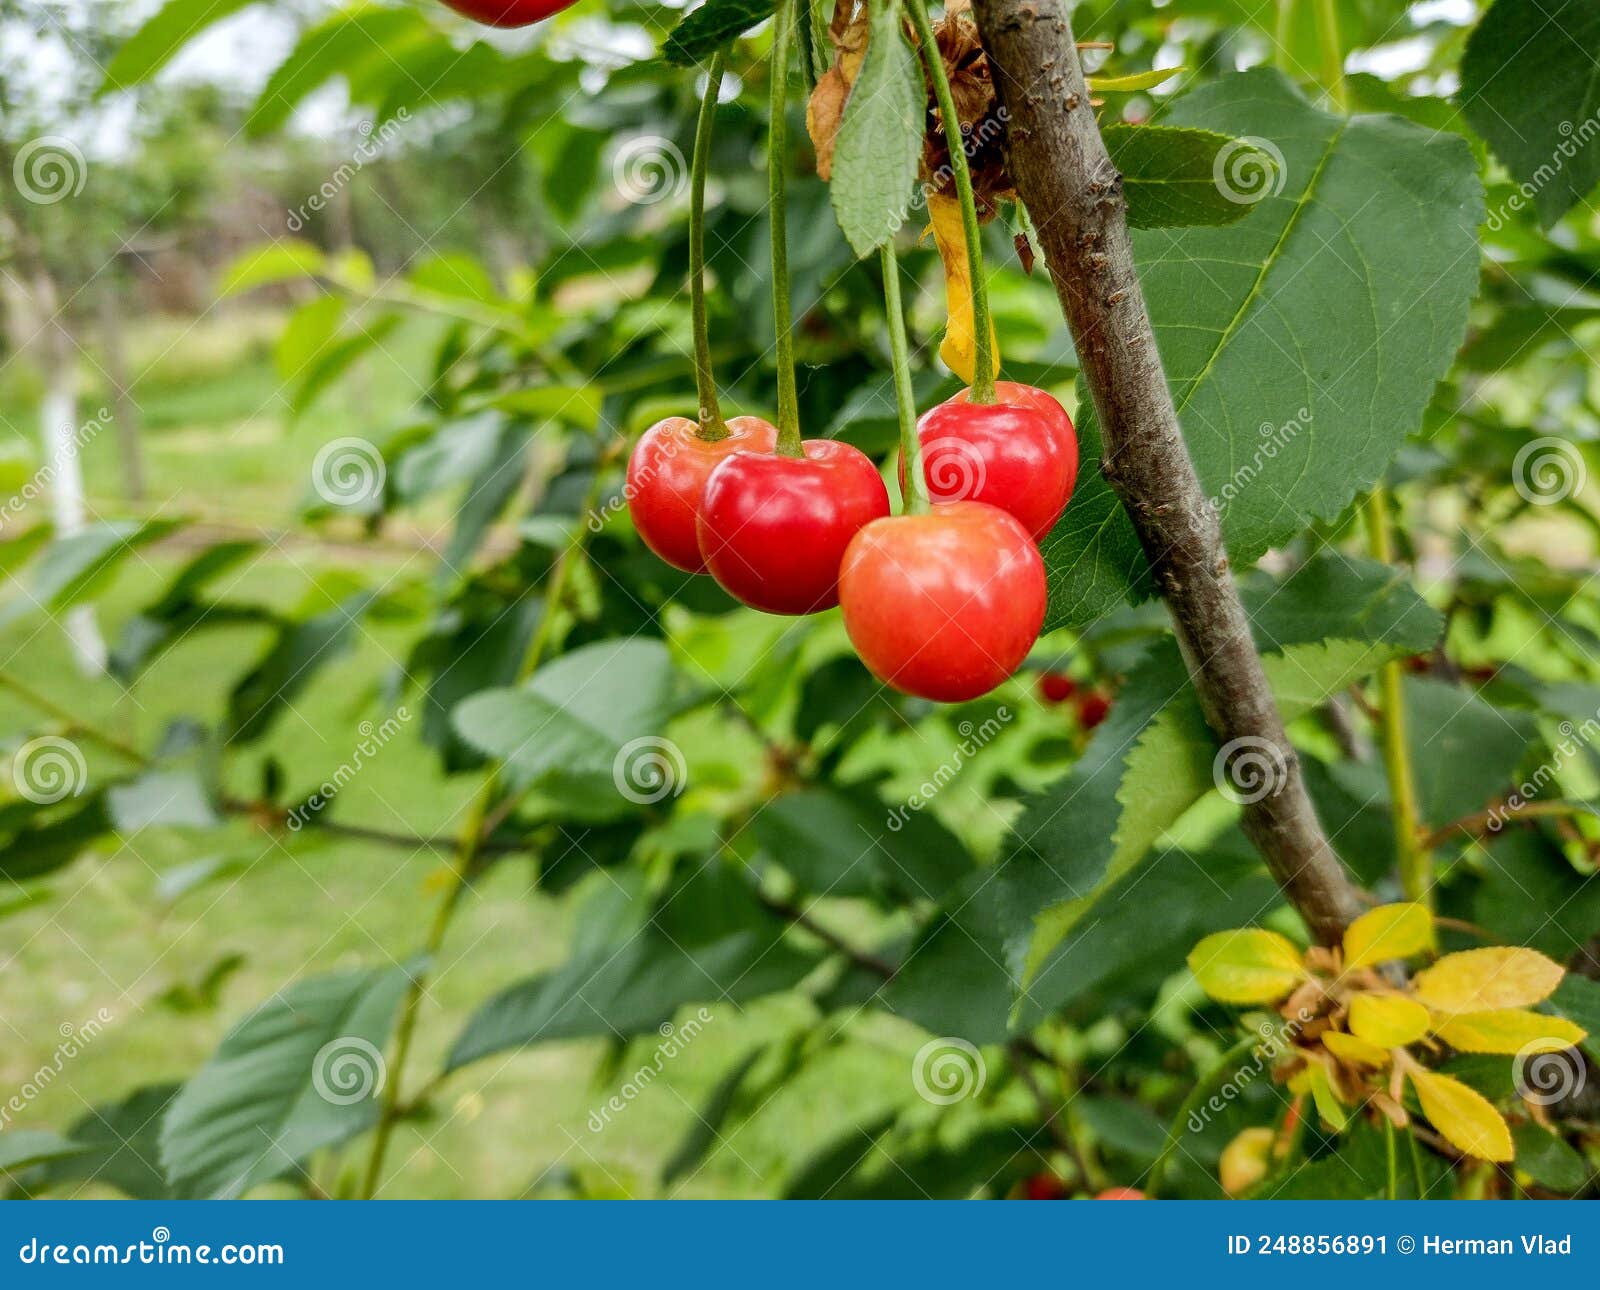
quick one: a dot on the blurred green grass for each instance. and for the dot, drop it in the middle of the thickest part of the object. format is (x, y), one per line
(218, 443)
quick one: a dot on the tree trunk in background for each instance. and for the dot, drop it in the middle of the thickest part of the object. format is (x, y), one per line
(63, 440)
(124, 409)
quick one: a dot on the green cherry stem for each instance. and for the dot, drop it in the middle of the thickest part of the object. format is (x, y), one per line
(712, 426)
(983, 364)
(777, 158)
(915, 501)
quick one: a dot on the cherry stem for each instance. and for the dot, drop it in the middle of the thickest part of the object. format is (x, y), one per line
(983, 365)
(712, 426)
(915, 501)
(777, 158)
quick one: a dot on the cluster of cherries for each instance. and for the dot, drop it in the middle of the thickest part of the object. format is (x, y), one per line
(943, 603)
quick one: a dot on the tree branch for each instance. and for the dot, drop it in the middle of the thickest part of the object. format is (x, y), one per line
(1074, 194)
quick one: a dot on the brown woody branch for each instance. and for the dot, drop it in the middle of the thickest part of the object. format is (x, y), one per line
(1074, 195)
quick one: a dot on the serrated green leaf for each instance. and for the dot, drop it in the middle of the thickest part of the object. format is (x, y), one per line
(713, 26)
(1530, 85)
(300, 1073)
(1169, 174)
(879, 143)
(1302, 344)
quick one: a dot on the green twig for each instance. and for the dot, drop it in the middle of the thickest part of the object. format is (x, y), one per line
(915, 500)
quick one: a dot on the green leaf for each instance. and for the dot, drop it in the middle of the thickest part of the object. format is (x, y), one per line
(300, 1073)
(22, 1147)
(309, 331)
(1325, 626)
(164, 33)
(73, 569)
(575, 729)
(119, 1146)
(710, 941)
(1530, 85)
(1169, 174)
(713, 26)
(349, 43)
(1133, 81)
(161, 797)
(36, 840)
(288, 666)
(879, 144)
(1302, 344)
(1550, 1161)
(1577, 998)
(276, 262)
(1464, 750)
(705, 1130)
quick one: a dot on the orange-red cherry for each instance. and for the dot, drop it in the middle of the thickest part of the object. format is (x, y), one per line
(667, 477)
(773, 528)
(944, 605)
(1019, 453)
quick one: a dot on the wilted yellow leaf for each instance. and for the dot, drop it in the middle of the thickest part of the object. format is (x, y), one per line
(1247, 965)
(1508, 1030)
(959, 349)
(1348, 1048)
(1500, 976)
(1388, 1020)
(1388, 932)
(1245, 1161)
(1465, 1117)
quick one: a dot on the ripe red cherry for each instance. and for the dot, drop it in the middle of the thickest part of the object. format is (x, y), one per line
(773, 529)
(943, 605)
(1045, 1187)
(1093, 708)
(1120, 1193)
(508, 13)
(1056, 687)
(667, 478)
(1019, 453)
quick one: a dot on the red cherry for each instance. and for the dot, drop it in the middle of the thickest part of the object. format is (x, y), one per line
(773, 529)
(1093, 708)
(1020, 453)
(667, 478)
(1120, 1193)
(508, 13)
(944, 605)
(1056, 687)
(1045, 1187)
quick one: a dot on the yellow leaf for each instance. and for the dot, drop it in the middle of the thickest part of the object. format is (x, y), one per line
(1388, 932)
(1314, 1079)
(959, 350)
(1248, 965)
(1388, 1020)
(1500, 976)
(1245, 1161)
(1358, 1052)
(1465, 1117)
(1508, 1030)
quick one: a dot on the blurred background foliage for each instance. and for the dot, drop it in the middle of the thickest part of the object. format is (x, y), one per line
(301, 225)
